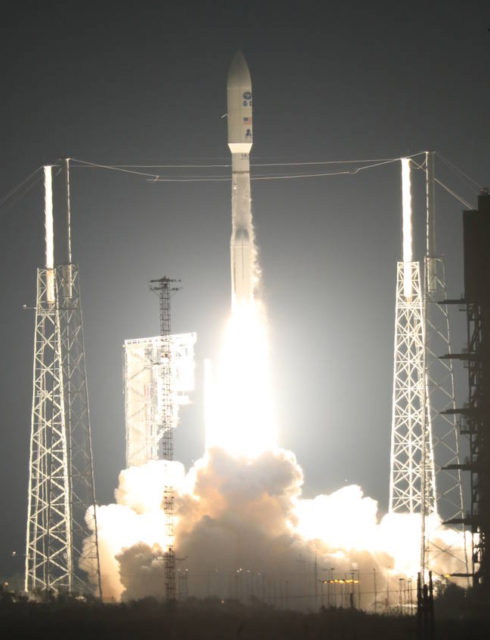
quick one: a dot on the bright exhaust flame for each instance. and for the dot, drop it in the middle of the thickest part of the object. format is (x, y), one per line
(240, 411)
(407, 228)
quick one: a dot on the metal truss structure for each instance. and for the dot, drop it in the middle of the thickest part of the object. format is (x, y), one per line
(442, 407)
(59, 543)
(164, 287)
(441, 392)
(145, 370)
(440, 385)
(476, 428)
(158, 374)
(412, 478)
(476, 412)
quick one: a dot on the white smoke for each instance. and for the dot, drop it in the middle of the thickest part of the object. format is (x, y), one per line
(135, 520)
(244, 531)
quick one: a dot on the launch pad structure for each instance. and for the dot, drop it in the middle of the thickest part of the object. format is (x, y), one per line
(61, 549)
(158, 374)
(425, 477)
(164, 287)
(425, 466)
(144, 369)
(412, 480)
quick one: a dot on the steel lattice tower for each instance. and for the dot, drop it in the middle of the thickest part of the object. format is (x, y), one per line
(412, 477)
(412, 461)
(442, 407)
(440, 375)
(439, 366)
(61, 476)
(164, 287)
(441, 391)
(49, 561)
(424, 428)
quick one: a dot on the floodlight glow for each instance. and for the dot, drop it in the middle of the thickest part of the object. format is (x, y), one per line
(407, 227)
(49, 232)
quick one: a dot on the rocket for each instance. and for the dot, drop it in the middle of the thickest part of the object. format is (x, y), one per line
(242, 247)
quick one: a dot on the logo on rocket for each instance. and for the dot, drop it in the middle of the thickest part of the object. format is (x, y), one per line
(240, 138)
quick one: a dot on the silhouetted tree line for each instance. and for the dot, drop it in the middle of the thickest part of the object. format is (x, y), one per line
(72, 619)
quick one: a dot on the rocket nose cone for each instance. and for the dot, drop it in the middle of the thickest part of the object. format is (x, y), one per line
(238, 74)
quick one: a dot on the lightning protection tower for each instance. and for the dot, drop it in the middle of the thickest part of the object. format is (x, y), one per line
(440, 380)
(412, 478)
(164, 287)
(61, 549)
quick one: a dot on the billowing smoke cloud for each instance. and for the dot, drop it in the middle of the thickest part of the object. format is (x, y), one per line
(136, 522)
(244, 531)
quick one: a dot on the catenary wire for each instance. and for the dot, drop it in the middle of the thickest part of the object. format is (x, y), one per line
(14, 194)
(159, 178)
(255, 164)
(17, 193)
(128, 167)
(452, 166)
(109, 167)
(453, 193)
(346, 172)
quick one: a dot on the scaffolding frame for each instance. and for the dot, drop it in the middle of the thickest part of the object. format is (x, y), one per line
(412, 477)
(143, 390)
(164, 288)
(441, 391)
(440, 382)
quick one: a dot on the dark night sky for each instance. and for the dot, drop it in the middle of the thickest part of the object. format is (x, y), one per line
(145, 82)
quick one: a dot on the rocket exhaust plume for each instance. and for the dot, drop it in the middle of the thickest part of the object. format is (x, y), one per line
(243, 529)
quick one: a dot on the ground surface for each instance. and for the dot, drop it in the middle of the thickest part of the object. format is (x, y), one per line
(148, 619)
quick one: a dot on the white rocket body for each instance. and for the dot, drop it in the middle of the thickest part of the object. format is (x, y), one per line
(240, 138)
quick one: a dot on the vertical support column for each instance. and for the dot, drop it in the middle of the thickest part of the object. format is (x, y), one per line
(440, 374)
(77, 419)
(164, 287)
(430, 228)
(49, 233)
(407, 227)
(426, 418)
(412, 480)
(68, 208)
(49, 562)
(407, 431)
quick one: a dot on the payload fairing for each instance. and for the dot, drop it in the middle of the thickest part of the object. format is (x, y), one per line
(240, 138)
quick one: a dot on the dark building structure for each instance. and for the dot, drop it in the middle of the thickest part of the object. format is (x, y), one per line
(476, 414)
(476, 231)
